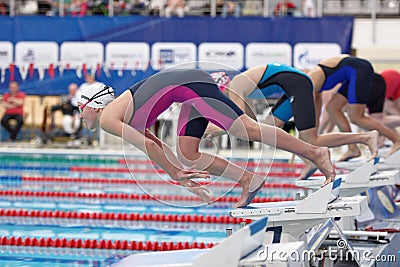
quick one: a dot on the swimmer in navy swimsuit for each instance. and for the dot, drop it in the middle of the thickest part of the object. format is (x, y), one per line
(297, 101)
(358, 74)
(131, 114)
(375, 105)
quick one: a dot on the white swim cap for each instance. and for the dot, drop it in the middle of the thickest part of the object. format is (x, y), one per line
(96, 95)
(221, 79)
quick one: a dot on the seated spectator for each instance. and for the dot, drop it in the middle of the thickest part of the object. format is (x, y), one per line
(139, 7)
(71, 122)
(177, 7)
(13, 101)
(308, 8)
(231, 7)
(45, 7)
(78, 8)
(284, 8)
(157, 7)
(4, 7)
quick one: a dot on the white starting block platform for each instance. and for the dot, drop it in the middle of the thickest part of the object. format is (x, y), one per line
(357, 181)
(243, 248)
(298, 216)
(390, 163)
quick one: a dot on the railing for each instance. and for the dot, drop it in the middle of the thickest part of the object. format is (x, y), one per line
(265, 8)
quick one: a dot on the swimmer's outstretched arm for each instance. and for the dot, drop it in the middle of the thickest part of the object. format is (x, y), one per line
(183, 174)
(112, 125)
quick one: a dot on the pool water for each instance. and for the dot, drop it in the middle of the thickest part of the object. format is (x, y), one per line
(93, 210)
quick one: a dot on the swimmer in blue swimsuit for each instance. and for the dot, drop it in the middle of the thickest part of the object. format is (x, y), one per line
(358, 75)
(297, 101)
(130, 115)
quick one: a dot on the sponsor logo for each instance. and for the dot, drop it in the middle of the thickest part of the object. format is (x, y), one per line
(170, 56)
(220, 53)
(167, 56)
(305, 60)
(29, 56)
(268, 54)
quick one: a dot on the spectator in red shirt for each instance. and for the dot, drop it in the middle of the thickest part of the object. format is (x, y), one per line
(13, 101)
(284, 8)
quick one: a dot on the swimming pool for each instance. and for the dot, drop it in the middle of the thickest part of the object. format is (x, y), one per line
(92, 209)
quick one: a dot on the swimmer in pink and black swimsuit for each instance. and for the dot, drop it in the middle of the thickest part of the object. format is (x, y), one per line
(201, 102)
(129, 116)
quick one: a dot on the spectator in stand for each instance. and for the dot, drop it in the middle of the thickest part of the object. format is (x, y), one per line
(157, 7)
(231, 7)
(78, 8)
(4, 8)
(56, 7)
(138, 6)
(308, 8)
(71, 121)
(284, 8)
(13, 101)
(177, 7)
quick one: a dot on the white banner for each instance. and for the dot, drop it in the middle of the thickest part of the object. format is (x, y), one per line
(308, 55)
(265, 53)
(166, 55)
(6, 53)
(127, 56)
(76, 54)
(229, 54)
(36, 53)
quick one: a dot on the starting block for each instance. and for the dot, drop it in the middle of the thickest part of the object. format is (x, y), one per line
(349, 188)
(390, 163)
(226, 254)
(357, 181)
(296, 217)
(242, 248)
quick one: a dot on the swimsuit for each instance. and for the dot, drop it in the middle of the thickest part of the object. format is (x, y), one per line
(376, 97)
(201, 101)
(357, 72)
(392, 79)
(297, 100)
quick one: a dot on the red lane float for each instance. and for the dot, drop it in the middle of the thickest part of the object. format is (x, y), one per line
(173, 218)
(101, 244)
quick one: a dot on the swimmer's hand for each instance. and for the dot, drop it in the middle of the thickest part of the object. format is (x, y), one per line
(213, 131)
(183, 175)
(198, 190)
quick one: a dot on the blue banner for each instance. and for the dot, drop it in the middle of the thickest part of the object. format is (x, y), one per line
(195, 30)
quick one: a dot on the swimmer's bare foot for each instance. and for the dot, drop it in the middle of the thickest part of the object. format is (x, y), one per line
(395, 147)
(381, 141)
(250, 187)
(308, 170)
(323, 162)
(352, 152)
(372, 142)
